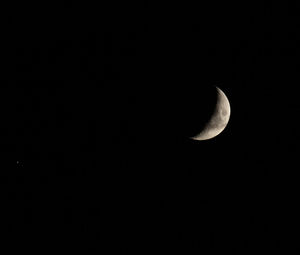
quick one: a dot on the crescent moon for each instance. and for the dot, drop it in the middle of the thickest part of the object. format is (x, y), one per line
(218, 120)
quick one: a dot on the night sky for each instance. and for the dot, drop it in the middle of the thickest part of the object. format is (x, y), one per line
(107, 98)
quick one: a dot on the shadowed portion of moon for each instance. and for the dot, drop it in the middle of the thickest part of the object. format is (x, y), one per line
(193, 110)
(218, 120)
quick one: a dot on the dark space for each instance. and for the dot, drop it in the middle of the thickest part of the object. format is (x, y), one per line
(105, 99)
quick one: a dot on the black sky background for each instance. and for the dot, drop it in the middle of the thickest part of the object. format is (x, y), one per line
(106, 99)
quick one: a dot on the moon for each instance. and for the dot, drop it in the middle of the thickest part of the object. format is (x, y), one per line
(218, 120)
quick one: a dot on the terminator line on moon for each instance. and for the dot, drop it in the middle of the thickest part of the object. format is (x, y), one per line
(218, 120)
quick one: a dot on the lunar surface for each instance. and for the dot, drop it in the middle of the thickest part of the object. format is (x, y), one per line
(218, 120)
